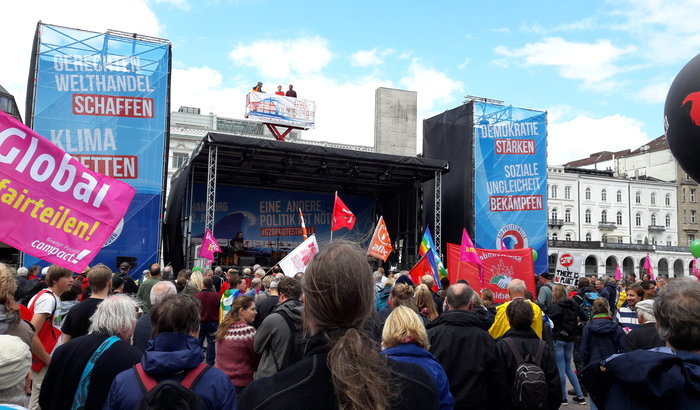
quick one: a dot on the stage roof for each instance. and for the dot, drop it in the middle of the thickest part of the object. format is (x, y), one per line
(266, 163)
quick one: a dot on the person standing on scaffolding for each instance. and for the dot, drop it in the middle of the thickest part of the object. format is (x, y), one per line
(258, 87)
(279, 90)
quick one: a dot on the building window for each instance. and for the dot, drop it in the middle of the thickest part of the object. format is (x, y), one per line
(604, 195)
(693, 218)
(588, 194)
(691, 238)
(178, 159)
(555, 214)
(653, 219)
(604, 216)
(554, 191)
(619, 196)
(588, 237)
(668, 199)
(605, 238)
(692, 195)
(638, 220)
(567, 192)
(568, 237)
(668, 241)
(619, 240)
(619, 217)
(668, 221)
(567, 215)
(653, 199)
(684, 197)
(588, 216)
(638, 197)
(554, 236)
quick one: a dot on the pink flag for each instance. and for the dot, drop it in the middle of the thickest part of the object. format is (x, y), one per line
(209, 246)
(648, 268)
(467, 253)
(51, 206)
(695, 267)
(618, 273)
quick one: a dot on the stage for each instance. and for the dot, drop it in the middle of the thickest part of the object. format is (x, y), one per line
(381, 184)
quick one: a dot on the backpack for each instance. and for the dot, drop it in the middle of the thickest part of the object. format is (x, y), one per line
(587, 303)
(530, 389)
(296, 347)
(31, 288)
(569, 323)
(170, 394)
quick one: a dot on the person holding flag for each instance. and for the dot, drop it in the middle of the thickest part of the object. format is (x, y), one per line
(427, 246)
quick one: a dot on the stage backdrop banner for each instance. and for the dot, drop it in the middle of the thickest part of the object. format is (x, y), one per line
(499, 268)
(269, 219)
(569, 268)
(51, 206)
(104, 99)
(510, 179)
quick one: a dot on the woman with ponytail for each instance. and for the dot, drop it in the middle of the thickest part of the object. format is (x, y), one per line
(235, 354)
(342, 368)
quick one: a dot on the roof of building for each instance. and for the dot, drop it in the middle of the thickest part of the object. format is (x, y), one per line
(657, 144)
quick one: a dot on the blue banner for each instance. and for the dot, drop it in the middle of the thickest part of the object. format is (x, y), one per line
(510, 179)
(269, 219)
(104, 99)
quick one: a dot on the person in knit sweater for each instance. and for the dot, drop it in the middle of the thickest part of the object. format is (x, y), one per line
(235, 354)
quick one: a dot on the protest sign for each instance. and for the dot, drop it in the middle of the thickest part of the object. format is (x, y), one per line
(300, 257)
(499, 268)
(51, 206)
(569, 268)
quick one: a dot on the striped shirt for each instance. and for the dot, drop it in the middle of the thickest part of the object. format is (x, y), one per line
(627, 318)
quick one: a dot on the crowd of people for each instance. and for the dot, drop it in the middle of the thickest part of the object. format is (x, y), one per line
(342, 336)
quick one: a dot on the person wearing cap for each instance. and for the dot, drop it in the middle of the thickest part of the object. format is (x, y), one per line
(15, 361)
(644, 336)
(544, 297)
(130, 287)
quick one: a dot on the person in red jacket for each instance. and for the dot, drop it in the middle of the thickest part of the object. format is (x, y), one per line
(235, 354)
(209, 316)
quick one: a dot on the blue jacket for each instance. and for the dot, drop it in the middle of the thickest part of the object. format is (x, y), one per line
(412, 353)
(659, 378)
(601, 338)
(165, 357)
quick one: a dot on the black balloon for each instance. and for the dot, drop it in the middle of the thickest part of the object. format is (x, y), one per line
(682, 118)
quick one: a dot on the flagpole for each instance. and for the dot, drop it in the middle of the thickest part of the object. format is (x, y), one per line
(335, 198)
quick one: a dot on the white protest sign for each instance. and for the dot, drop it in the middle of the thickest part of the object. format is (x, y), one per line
(300, 257)
(569, 268)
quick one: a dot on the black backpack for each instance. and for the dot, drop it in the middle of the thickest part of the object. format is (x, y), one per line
(296, 347)
(530, 389)
(30, 289)
(569, 323)
(170, 394)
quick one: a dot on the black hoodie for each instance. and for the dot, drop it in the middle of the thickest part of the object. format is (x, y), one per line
(468, 354)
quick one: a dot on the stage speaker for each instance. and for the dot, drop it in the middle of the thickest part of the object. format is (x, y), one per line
(246, 260)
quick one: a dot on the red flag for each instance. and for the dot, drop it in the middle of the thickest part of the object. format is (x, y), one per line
(422, 268)
(342, 216)
(380, 247)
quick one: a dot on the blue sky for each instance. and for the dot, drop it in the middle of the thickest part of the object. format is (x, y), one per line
(601, 68)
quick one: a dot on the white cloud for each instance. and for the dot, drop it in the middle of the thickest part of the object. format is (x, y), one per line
(181, 4)
(19, 24)
(375, 56)
(654, 93)
(585, 24)
(592, 63)
(284, 59)
(582, 135)
(203, 87)
(464, 63)
(433, 86)
(669, 30)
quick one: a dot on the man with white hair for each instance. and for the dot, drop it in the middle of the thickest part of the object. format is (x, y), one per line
(143, 328)
(644, 336)
(259, 273)
(516, 290)
(82, 370)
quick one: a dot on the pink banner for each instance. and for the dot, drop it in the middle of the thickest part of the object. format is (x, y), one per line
(209, 246)
(51, 206)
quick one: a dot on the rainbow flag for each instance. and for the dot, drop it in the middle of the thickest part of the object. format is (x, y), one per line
(428, 246)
